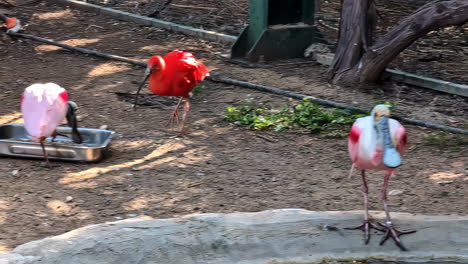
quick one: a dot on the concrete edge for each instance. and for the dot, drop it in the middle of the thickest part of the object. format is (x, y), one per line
(272, 236)
(147, 21)
(428, 82)
(325, 59)
(410, 78)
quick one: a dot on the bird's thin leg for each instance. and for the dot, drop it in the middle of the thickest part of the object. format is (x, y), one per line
(184, 117)
(45, 154)
(367, 225)
(390, 231)
(54, 135)
(351, 171)
(175, 114)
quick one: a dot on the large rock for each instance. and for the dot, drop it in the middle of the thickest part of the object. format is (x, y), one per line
(244, 238)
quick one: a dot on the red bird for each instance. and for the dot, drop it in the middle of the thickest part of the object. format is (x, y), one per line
(175, 74)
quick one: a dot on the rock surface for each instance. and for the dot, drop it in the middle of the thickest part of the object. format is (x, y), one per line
(274, 236)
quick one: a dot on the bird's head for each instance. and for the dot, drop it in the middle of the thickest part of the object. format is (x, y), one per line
(155, 64)
(72, 106)
(380, 110)
(73, 122)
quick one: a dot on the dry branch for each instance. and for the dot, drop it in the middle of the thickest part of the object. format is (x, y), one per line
(354, 63)
(433, 17)
(357, 23)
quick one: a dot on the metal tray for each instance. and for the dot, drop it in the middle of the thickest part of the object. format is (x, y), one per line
(16, 142)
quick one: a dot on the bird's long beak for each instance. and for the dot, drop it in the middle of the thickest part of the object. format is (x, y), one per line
(147, 75)
(73, 123)
(391, 157)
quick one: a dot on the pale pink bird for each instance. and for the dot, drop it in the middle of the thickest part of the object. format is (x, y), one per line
(44, 107)
(377, 142)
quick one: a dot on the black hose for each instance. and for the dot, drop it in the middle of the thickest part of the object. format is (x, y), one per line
(82, 50)
(262, 88)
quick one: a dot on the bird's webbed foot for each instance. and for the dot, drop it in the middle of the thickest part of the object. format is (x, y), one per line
(366, 226)
(391, 232)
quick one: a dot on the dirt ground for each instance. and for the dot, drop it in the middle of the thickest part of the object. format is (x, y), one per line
(217, 167)
(441, 54)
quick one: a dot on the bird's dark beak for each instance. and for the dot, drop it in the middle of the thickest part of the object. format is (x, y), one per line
(73, 123)
(391, 157)
(148, 72)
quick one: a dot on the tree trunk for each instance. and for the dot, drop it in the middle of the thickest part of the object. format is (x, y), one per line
(358, 19)
(354, 63)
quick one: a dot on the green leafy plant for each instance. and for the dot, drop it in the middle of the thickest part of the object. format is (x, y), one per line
(257, 117)
(306, 115)
(391, 105)
(443, 139)
(197, 93)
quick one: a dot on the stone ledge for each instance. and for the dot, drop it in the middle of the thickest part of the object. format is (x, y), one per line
(283, 235)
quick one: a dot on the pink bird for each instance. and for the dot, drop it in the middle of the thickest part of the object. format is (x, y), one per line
(44, 106)
(377, 142)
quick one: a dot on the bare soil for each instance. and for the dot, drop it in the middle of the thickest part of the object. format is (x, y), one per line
(442, 54)
(217, 166)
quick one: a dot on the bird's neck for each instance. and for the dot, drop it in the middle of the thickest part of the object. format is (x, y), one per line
(372, 138)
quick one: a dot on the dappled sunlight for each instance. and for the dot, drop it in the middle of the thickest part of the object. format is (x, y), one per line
(213, 131)
(91, 173)
(439, 176)
(54, 15)
(151, 48)
(4, 205)
(136, 204)
(137, 144)
(107, 69)
(58, 207)
(148, 201)
(156, 163)
(4, 247)
(143, 202)
(83, 214)
(72, 42)
(14, 118)
(84, 185)
(190, 157)
(78, 87)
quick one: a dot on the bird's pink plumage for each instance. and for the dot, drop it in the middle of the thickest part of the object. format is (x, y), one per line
(44, 107)
(368, 156)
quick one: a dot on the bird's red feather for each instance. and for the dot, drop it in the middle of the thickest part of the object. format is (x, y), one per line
(64, 96)
(176, 74)
(354, 135)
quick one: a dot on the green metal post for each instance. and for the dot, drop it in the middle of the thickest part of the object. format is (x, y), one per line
(277, 29)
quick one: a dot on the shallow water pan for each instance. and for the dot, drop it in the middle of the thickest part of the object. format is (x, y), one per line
(16, 142)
